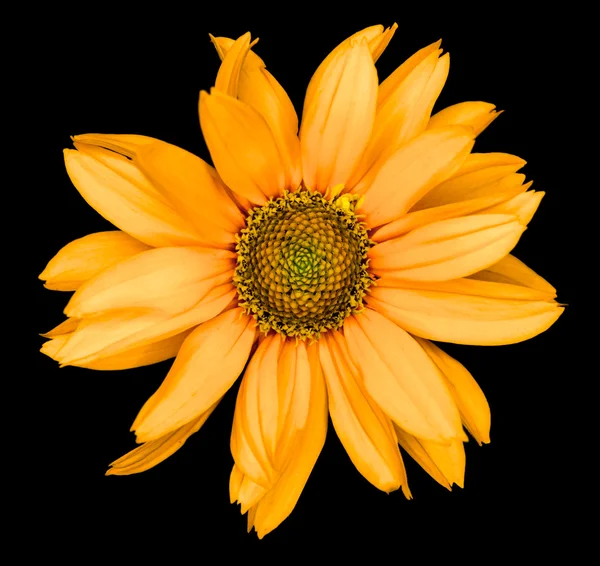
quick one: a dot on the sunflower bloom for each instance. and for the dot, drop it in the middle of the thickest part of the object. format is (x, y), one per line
(319, 261)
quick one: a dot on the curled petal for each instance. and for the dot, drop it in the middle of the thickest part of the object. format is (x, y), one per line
(86, 257)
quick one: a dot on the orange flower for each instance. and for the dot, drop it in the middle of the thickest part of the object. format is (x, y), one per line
(322, 261)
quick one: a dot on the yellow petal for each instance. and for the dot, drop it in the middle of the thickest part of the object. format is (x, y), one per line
(476, 115)
(279, 502)
(168, 279)
(86, 257)
(250, 494)
(412, 171)
(404, 114)
(233, 60)
(523, 206)
(145, 355)
(390, 85)
(338, 115)
(450, 316)
(253, 453)
(235, 483)
(419, 218)
(365, 431)
(260, 90)
(447, 249)
(445, 464)
(117, 332)
(156, 451)
(209, 361)
(272, 406)
(468, 396)
(470, 286)
(117, 189)
(242, 147)
(186, 182)
(481, 175)
(377, 39)
(401, 378)
(52, 347)
(66, 327)
(513, 271)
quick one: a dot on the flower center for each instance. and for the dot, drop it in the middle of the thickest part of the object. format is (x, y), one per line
(302, 263)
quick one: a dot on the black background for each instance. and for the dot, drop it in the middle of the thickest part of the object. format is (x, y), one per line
(141, 72)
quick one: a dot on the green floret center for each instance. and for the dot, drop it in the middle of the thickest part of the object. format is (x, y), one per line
(302, 263)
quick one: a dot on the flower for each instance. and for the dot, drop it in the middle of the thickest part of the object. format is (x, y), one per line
(319, 263)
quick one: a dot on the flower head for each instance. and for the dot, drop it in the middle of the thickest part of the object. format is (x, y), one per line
(318, 261)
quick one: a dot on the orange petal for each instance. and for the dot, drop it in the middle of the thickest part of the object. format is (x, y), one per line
(481, 175)
(523, 206)
(156, 451)
(118, 332)
(365, 431)
(85, 257)
(168, 279)
(121, 193)
(445, 464)
(271, 408)
(253, 453)
(476, 115)
(66, 327)
(145, 355)
(404, 113)
(419, 218)
(377, 39)
(210, 360)
(187, 182)
(242, 147)
(390, 85)
(447, 249)
(412, 171)
(450, 316)
(260, 90)
(279, 502)
(468, 396)
(401, 378)
(513, 271)
(338, 115)
(235, 483)
(233, 60)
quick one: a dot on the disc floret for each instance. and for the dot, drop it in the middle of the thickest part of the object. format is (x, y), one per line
(302, 264)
